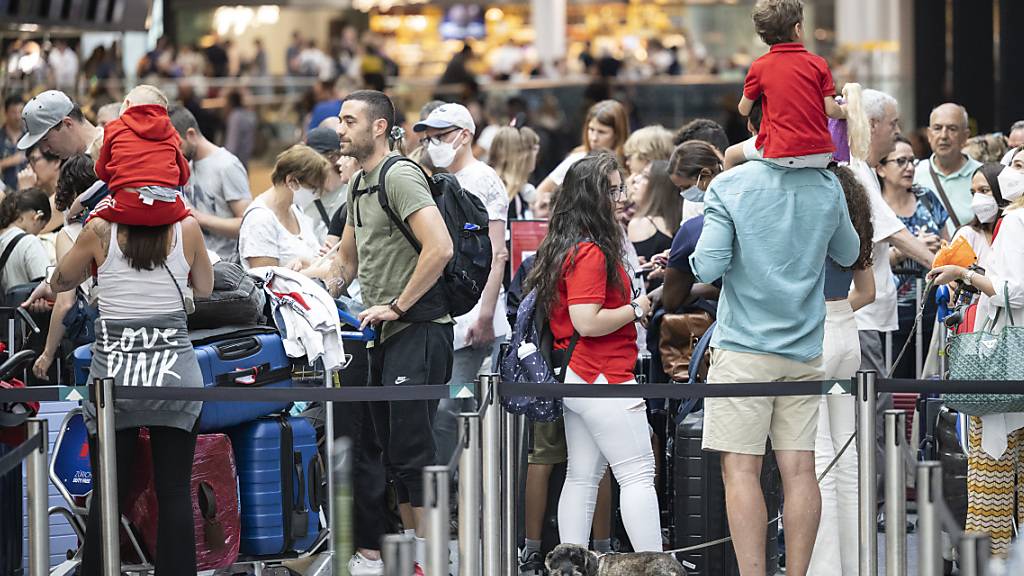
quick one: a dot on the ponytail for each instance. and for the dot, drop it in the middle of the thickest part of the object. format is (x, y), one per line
(857, 124)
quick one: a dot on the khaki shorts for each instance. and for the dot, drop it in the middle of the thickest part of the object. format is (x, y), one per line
(742, 425)
(548, 443)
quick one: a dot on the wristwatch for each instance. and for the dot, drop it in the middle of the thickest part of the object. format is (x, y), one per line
(638, 312)
(393, 305)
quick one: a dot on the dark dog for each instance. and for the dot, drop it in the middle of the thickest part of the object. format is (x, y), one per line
(573, 560)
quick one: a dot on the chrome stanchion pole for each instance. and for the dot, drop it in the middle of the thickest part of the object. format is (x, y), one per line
(38, 502)
(975, 549)
(103, 399)
(491, 440)
(919, 332)
(929, 524)
(342, 542)
(329, 448)
(470, 486)
(887, 340)
(399, 554)
(895, 494)
(867, 497)
(436, 516)
(509, 490)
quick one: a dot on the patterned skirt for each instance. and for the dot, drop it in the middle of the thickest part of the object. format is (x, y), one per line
(995, 488)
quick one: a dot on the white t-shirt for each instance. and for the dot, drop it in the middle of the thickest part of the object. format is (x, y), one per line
(881, 314)
(558, 174)
(482, 181)
(262, 235)
(27, 262)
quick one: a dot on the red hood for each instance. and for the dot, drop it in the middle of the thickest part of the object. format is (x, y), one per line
(149, 121)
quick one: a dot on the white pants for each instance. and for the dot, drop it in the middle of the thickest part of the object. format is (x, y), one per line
(599, 432)
(837, 531)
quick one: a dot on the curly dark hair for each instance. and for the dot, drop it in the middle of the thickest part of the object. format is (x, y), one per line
(859, 206)
(582, 210)
(76, 175)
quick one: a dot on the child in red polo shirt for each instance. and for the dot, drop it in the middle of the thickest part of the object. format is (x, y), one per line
(142, 163)
(796, 91)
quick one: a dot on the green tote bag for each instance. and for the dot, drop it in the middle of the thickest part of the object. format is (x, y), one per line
(983, 355)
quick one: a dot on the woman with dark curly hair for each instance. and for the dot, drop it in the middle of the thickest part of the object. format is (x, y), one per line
(837, 529)
(583, 288)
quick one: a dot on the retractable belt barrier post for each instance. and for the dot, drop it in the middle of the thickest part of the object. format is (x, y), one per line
(929, 524)
(399, 554)
(974, 554)
(491, 440)
(103, 398)
(509, 491)
(38, 522)
(340, 479)
(895, 494)
(868, 497)
(436, 516)
(469, 495)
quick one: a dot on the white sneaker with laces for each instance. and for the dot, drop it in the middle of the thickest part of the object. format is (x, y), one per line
(360, 565)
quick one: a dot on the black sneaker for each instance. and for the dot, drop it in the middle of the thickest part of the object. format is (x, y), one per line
(532, 565)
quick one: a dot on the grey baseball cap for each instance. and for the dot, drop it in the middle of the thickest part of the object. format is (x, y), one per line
(43, 113)
(323, 140)
(447, 116)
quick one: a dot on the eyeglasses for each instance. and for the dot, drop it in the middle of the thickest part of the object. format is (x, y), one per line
(618, 193)
(902, 161)
(438, 139)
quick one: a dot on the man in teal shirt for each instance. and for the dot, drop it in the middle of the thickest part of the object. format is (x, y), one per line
(767, 231)
(948, 131)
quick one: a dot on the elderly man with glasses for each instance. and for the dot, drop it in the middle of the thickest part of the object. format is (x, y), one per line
(948, 171)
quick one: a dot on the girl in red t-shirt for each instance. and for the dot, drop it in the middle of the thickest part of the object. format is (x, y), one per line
(583, 288)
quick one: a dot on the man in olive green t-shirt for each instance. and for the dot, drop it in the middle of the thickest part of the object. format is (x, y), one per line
(399, 287)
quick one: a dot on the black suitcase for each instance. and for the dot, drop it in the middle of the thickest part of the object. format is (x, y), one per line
(11, 518)
(698, 504)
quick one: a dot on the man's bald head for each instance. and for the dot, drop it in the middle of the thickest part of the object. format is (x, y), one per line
(950, 110)
(948, 131)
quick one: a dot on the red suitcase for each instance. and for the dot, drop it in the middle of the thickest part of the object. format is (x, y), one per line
(214, 501)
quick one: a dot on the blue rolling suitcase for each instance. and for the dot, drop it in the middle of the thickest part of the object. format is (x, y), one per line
(247, 357)
(278, 484)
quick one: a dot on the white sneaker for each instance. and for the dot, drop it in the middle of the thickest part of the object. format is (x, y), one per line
(359, 565)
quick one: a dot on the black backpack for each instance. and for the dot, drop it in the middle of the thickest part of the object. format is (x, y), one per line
(465, 216)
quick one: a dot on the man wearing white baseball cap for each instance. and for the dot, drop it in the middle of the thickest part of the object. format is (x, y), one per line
(447, 133)
(56, 126)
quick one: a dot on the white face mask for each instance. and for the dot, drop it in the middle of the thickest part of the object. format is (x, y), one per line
(303, 197)
(985, 207)
(1011, 184)
(442, 154)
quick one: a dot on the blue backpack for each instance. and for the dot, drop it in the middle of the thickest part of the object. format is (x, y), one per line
(533, 336)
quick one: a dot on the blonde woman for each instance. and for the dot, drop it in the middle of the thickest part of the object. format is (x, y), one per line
(605, 128)
(513, 155)
(646, 145)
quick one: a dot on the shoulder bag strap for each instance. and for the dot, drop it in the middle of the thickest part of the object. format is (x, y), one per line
(568, 355)
(942, 193)
(9, 250)
(382, 197)
(323, 212)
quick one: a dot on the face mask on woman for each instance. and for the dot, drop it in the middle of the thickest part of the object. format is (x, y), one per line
(303, 197)
(985, 207)
(693, 193)
(1011, 184)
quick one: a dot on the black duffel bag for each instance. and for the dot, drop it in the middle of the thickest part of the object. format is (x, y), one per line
(237, 300)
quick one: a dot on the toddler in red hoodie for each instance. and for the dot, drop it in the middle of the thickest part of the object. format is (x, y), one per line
(142, 163)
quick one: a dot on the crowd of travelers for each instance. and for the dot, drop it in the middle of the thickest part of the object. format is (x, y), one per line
(810, 261)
